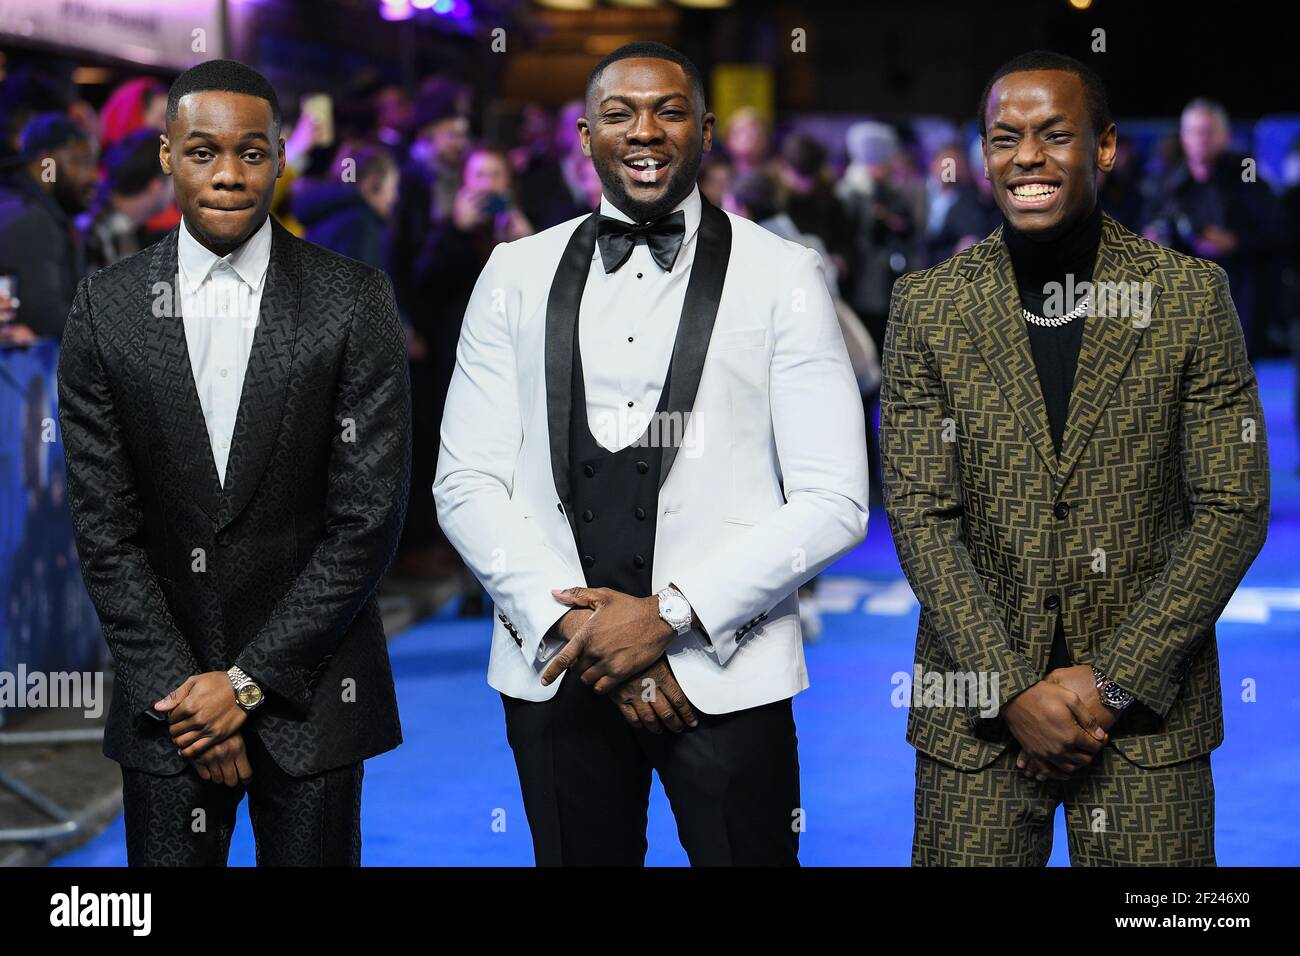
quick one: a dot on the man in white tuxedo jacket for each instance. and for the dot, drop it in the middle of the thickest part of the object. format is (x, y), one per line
(652, 438)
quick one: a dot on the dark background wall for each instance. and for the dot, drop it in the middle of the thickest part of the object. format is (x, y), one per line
(885, 57)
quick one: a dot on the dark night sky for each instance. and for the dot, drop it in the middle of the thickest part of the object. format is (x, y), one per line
(891, 58)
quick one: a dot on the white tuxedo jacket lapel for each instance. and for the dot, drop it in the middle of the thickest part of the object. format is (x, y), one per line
(770, 488)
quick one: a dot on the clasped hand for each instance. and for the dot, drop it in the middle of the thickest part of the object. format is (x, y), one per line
(1060, 723)
(204, 719)
(622, 637)
(616, 645)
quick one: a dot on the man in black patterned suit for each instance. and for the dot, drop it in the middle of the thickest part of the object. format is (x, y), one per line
(236, 412)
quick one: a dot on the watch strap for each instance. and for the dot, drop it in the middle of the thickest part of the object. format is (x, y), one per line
(680, 627)
(239, 680)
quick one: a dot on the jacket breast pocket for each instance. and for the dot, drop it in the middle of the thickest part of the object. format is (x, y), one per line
(740, 339)
(743, 352)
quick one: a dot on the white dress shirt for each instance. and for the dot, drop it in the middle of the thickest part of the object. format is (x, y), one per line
(627, 324)
(220, 300)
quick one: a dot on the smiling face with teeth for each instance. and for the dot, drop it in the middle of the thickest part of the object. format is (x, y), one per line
(1041, 152)
(646, 132)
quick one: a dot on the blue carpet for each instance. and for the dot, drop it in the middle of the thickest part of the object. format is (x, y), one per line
(449, 796)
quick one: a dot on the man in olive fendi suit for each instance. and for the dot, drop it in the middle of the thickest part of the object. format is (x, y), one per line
(1074, 495)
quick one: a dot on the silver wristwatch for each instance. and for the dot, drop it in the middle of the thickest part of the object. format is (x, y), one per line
(675, 609)
(248, 693)
(1111, 694)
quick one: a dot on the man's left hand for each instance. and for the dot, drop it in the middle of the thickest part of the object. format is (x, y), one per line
(203, 711)
(1080, 680)
(623, 637)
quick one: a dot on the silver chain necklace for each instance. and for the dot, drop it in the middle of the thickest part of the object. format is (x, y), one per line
(1058, 320)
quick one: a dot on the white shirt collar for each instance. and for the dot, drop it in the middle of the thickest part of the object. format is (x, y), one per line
(690, 205)
(249, 261)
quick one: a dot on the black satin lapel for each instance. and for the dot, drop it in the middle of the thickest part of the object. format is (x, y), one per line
(1108, 339)
(192, 470)
(261, 402)
(989, 305)
(699, 311)
(561, 319)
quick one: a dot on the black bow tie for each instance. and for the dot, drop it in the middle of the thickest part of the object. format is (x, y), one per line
(663, 236)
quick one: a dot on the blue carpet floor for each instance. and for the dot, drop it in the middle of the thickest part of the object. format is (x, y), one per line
(449, 796)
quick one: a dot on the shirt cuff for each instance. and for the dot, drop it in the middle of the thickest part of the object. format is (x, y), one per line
(696, 623)
(549, 647)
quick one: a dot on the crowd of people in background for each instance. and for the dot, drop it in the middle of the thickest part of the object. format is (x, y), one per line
(406, 186)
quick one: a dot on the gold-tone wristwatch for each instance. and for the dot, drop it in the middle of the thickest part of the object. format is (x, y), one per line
(247, 692)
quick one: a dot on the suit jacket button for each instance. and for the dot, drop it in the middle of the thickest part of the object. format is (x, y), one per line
(1062, 510)
(589, 471)
(588, 515)
(642, 467)
(1053, 602)
(640, 514)
(588, 560)
(638, 561)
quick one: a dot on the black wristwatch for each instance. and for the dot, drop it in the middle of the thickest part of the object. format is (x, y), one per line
(1111, 694)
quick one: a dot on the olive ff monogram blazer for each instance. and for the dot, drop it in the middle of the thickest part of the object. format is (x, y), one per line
(1137, 534)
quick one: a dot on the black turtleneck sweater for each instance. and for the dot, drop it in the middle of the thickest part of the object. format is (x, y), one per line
(1055, 350)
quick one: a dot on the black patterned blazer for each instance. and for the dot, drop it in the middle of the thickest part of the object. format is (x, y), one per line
(277, 571)
(1138, 533)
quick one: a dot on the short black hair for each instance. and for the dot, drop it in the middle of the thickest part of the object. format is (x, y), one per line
(653, 50)
(226, 76)
(1094, 91)
(132, 164)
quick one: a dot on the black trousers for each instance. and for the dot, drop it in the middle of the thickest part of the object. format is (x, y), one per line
(183, 820)
(733, 782)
